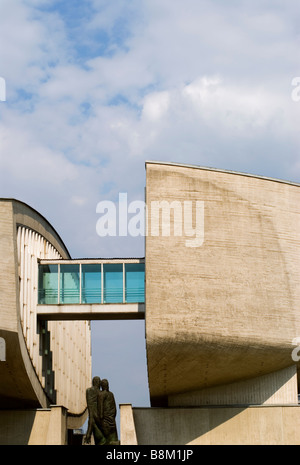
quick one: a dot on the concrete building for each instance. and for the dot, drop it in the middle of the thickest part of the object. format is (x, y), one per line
(222, 313)
(45, 363)
(219, 290)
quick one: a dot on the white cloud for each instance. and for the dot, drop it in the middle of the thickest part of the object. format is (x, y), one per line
(238, 109)
(194, 82)
(25, 160)
(156, 105)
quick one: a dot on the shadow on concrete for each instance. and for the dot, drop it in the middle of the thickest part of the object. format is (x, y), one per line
(183, 425)
(47, 364)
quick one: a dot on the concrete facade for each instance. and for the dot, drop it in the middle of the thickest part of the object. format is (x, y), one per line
(45, 363)
(226, 311)
(222, 316)
(239, 425)
(41, 427)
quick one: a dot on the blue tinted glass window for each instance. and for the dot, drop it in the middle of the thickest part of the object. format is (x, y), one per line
(48, 284)
(113, 283)
(135, 282)
(69, 284)
(91, 284)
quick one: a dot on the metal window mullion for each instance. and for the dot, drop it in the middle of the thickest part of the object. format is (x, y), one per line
(80, 282)
(102, 283)
(123, 283)
(58, 284)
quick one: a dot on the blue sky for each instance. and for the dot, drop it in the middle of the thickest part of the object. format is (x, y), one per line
(96, 87)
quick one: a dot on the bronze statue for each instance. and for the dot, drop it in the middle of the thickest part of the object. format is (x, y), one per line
(102, 414)
(92, 405)
(107, 414)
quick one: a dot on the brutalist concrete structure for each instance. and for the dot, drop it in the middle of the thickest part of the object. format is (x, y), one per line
(221, 276)
(222, 313)
(45, 366)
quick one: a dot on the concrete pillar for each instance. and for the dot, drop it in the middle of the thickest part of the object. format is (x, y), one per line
(127, 426)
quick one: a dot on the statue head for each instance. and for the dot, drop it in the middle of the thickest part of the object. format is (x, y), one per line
(96, 381)
(104, 385)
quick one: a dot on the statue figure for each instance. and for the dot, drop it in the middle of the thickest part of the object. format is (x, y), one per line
(107, 414)
(92, 394)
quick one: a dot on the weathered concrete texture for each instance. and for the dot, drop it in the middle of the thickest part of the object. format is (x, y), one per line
(16, 387)
(127, 426)
(274, 388)
(34, 427)
(257, 425)
(9, 282)
(228, 310)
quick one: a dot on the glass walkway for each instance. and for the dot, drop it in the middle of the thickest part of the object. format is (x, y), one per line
(96, 286)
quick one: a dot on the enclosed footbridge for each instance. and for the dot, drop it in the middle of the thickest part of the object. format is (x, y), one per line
(91, 289)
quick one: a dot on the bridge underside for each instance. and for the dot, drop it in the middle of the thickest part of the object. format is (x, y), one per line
(130, 311)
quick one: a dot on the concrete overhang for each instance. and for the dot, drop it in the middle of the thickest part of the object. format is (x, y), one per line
(129, 311)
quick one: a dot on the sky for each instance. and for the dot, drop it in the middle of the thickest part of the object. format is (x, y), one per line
(94, 88)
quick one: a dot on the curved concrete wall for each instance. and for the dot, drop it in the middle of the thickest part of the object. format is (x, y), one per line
(227, 310)
(46, 363)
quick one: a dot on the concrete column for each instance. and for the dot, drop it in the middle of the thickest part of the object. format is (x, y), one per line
(127, 426)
